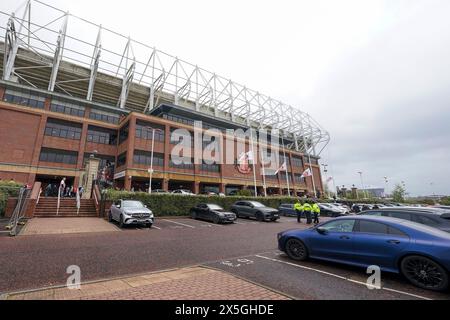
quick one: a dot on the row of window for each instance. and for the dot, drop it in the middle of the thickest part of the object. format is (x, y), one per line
(145, 158)
(61, 129)
(58, 156)
(67, 108)
(146, 132)
(103, 117)
(101, 135)
(24, 98)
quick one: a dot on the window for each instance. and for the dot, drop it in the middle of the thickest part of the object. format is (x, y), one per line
(144, 131)
(313, 160)
(372, 227)
(182, 139)
(63, 129)
(283, 177)
(340, 225)
(297, 162)
(186, 163)
(105, 160)
(298, 178)
(396, 232)
(122, 159)
(399, 215)
(426, 220)
(59, 156)
(24, 98)
(178, 119)
(101, 135)
(210, 167)
(123, 133)
(67, 108)
(282, 159)
(104, 117)
(144, 157)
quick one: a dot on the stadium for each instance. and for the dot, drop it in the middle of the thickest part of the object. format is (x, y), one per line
(72, 89)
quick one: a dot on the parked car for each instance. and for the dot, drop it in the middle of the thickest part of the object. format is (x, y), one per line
(287, 209)
(254, 209)
(433, 217)
(183, 192)
(127, 212)
(327, 209)
(442, 207)
(212, 212)
(345, 209)
(159, 191)
(420, 253)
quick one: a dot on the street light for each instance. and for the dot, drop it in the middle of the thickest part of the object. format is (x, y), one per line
(362, 183)
(326, 179)
(385, 187)
(150, 171)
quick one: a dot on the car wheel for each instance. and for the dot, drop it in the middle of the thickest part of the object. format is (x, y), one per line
(296, 250)
(193, 215)
(424, 273)
(236, 213)
(148, 225)
(121, 224)
(259, 216)
(216, 220)
(110, 218)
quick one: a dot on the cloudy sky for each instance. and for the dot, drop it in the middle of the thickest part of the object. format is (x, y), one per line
(375, 74)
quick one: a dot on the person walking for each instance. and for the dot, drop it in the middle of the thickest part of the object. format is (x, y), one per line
(316, 211)
(307, 208)
(62, 187)
(298, 207)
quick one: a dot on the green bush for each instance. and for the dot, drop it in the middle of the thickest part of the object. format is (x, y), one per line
(445, 201)
(7, 189)
(179, 205)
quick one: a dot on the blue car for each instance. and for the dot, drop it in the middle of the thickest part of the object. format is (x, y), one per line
(419, 252)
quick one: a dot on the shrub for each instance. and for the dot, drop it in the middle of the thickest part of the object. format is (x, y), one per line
(7, 189)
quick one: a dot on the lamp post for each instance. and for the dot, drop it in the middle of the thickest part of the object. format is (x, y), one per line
(150, 171)
(362, 183)
(326, 179)
(385, 187)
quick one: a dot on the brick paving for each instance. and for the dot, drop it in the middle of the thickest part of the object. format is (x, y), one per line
(66, 225)
(195, 283)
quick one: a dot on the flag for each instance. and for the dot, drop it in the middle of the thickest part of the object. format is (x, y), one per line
(282, 168)
(245, 156)
(307, 173)
(329, 179)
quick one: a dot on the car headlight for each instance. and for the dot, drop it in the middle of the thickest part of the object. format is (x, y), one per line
(221, 214)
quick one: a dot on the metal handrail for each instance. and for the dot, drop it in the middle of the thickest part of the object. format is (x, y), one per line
(19, 211)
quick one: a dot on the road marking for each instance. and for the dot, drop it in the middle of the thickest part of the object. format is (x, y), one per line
(240, 222)
(181, 224)
(156, 227)
(341, 277)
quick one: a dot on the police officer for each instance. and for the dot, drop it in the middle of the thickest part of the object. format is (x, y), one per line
(298, 209)
(307, 208)
(316, 211)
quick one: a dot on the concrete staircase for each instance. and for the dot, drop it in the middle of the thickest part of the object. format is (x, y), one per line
(68, 208)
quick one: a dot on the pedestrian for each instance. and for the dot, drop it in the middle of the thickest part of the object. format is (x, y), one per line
(81, 191)
(48, 190)
(316, 211)
(62, 187)
(307, 208)
(298, 209)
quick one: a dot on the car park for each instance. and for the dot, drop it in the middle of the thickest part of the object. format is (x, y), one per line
(212, 212)
(254, 209)
(127, 212)
(418, 252)
(433, 217)
(345, 209)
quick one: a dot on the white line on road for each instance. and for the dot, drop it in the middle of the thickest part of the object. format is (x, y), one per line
(156, 227)
(340, 277)
(240, 222)
(181, 224)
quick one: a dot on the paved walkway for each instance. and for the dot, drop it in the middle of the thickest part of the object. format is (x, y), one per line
(194, 283)
(66, 225)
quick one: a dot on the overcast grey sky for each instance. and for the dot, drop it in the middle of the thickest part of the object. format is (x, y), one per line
(375, 74)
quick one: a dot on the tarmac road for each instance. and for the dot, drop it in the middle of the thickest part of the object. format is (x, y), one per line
(36, 261)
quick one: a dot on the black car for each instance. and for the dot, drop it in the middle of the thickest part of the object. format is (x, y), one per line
(254, 209)
(287, 209)
(433, 217)
(212, 212)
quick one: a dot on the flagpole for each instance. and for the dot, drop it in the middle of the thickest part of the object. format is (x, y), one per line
(253, 161)
(285, 162)
(263, 172)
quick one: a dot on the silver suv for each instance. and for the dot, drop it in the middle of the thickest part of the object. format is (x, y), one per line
(128, 212)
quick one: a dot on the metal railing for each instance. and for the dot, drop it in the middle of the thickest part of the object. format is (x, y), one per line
(19, 211)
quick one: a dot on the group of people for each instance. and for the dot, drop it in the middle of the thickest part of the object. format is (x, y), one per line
(310, 209)
(52, 190)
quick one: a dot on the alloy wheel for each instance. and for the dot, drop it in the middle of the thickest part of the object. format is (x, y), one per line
(296, 250)
(424, 273)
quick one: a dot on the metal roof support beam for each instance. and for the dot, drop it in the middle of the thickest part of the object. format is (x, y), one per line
(94, 64)
(12, 44)
(59, 51)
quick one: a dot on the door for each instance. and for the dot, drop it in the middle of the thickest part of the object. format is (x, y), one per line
(115, 210)
(202, 211)
(335, 243)
(376, 243)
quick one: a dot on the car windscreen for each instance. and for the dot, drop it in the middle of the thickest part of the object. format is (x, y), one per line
(214, 207)
(257, 204)
(132, 204)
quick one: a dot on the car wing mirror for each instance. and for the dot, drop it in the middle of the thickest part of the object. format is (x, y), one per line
(321, 230)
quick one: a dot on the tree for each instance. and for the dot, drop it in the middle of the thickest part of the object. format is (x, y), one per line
(399, 193)
(445, 201)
